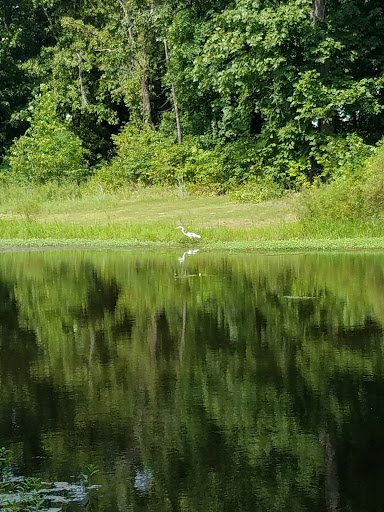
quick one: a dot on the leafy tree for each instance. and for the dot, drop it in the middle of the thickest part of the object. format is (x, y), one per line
(22, 35)
(261, 69)
(48, 150)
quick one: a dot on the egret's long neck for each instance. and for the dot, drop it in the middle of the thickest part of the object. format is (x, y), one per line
(182, 229)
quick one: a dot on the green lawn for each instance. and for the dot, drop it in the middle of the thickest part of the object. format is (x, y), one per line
(195, 212)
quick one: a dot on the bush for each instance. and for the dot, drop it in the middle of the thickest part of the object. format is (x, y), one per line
(372, 187)
(204, 169)
(257, 189)
(356, 191)
(342, 156)
(144, 157)
(239, 160)
(48, 150)
(340, 199)
(152, 158)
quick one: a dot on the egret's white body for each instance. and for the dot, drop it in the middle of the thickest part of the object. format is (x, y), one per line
(188, 233)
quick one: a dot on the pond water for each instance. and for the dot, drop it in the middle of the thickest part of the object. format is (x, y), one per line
(197, 381)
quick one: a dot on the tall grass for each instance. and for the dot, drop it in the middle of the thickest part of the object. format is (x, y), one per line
(154, 232)
(34, 200)
(353, 200)
(165, 234)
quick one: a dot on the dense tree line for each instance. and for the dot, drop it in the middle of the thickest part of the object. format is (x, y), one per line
(279, 88)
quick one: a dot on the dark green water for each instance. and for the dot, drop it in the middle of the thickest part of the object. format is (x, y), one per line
(207, 383)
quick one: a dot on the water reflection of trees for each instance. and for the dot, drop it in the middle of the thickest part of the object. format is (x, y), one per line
(248, 384)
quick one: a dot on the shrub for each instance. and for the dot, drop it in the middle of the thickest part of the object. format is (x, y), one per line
(341, 156)
(356, 191)
(144, 157)
(204, 169)
(372, 187)
(152, 158)
(257, 189)
(340, 199)
(239, 160)
(48, 150)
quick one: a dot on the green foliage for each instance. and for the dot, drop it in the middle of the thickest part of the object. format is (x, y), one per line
(357, 191)
(151, 158)
(22, 34)
(143, 157)
(204, 171)
(372, 187)
(263, 89)
(256, 190)
(340, 156)
(29, 494)
(48, 150)
(296, 75)
(17, 494)
(341, 199)
(89, 472)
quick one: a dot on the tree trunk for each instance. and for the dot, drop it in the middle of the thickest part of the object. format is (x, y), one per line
(8, 15)
(175, 106)
(83, 94)
(318, 14)
(143, 66)
(92, 340)
(146, 101)
(154, 336)
(332, 496)
(182, 341)
(318, 10)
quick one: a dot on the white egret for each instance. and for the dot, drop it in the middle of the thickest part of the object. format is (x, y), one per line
(188, 233)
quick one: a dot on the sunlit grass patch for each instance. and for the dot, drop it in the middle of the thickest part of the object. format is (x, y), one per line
(152, 205)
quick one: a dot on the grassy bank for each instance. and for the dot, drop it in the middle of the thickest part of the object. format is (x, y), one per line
(148, 218)
(289, 245)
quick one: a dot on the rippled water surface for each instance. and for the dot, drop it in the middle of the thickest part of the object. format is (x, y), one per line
(197, 382)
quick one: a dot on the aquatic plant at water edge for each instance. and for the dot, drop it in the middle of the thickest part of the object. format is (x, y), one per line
(27, 494)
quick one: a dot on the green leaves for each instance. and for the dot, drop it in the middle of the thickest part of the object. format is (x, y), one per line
(48, 150)
(267, 70)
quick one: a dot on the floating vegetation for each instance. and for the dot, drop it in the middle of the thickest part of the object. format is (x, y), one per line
(18, 493)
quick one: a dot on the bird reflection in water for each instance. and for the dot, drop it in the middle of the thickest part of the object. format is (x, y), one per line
(190, 252)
